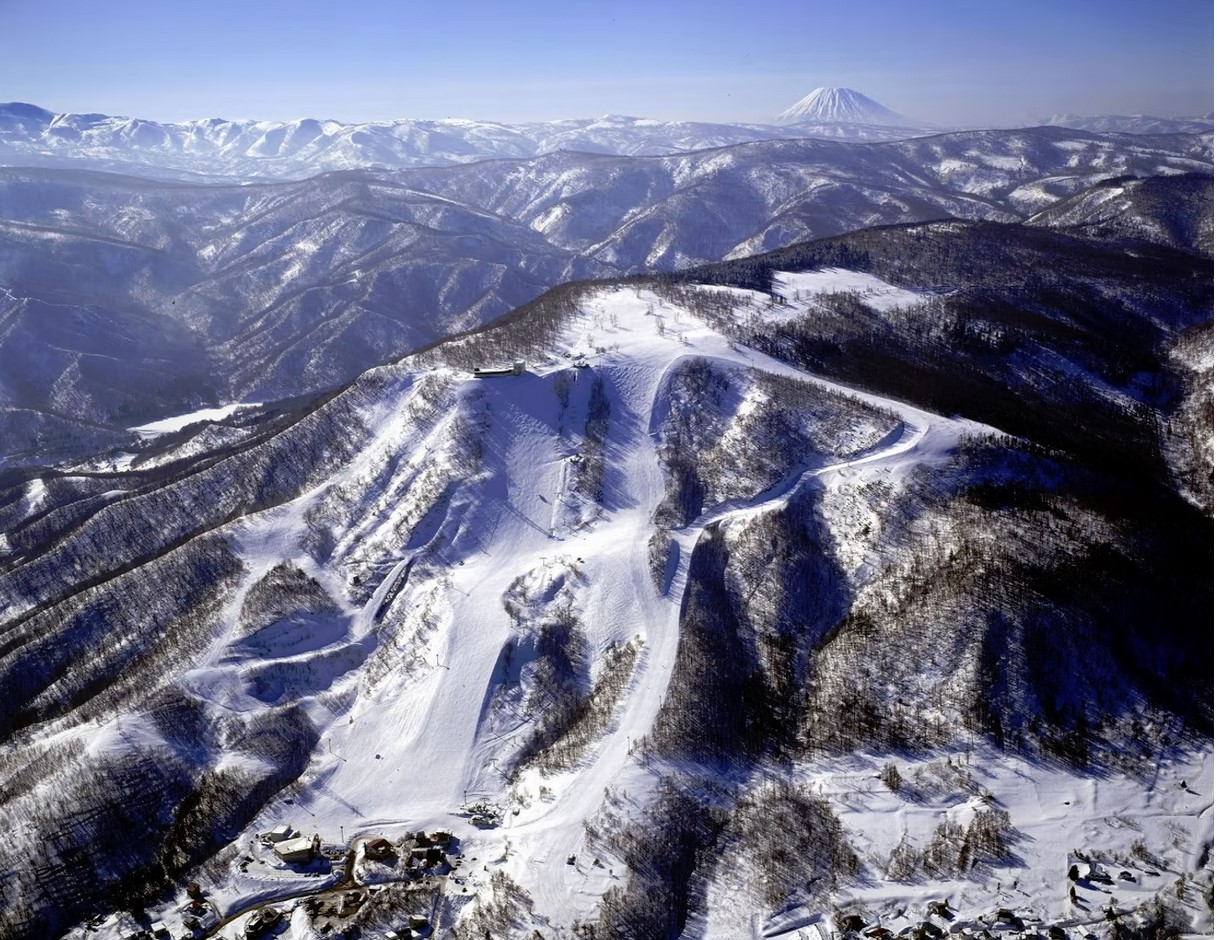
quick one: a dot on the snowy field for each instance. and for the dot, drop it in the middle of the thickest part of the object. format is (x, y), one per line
(807, 285)
(1148, 834)
(177, 422)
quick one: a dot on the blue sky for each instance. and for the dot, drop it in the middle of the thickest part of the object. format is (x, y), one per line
(968, 61)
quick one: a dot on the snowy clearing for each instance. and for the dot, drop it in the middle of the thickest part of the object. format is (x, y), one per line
(177, 422)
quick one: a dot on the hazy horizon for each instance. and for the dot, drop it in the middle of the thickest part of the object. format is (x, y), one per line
(942, 62)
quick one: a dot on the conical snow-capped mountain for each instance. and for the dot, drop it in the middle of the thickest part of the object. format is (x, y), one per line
(839, 106)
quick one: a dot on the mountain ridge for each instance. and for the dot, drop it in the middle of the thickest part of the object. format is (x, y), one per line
(254, 149)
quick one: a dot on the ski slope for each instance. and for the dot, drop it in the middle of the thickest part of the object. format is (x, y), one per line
(407, 748)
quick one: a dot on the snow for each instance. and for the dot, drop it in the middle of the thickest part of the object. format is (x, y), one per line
(1054, 812)
(177, 422)
(126, 734)
(1011, 164)
(406, 748)
(245, 149)
(872, 291)
(839, 105)
(301, 928)
(34, 497)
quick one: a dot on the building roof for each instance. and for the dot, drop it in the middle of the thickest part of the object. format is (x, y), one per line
(295, 846)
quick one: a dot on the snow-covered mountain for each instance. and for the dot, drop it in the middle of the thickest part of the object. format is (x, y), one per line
(841, 106)
(869, 579)
(249, 149)
(255, 292)
(1132, 124)
(1172, 210)
(252, 150)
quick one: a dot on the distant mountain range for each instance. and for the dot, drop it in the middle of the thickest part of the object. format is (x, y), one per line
(1133, 123)
(249, 149)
